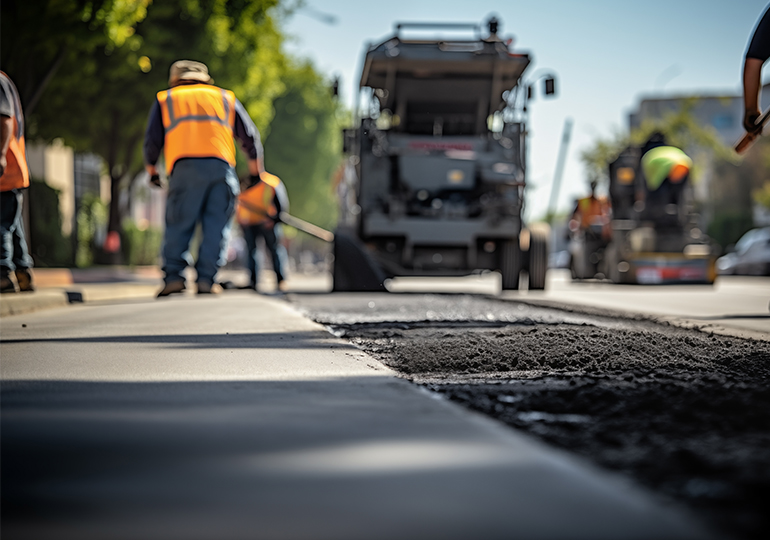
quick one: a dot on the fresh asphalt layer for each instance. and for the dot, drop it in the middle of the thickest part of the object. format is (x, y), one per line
(236, 417)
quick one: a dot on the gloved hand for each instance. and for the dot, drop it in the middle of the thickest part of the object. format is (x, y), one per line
(155, 181)
(749, 122)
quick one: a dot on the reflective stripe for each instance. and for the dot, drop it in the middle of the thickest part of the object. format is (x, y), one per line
(193, 125)
(174, 122)
(170, 108)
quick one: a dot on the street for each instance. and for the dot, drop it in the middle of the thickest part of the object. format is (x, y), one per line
(740, 303)
(279, 271)
(236, 417)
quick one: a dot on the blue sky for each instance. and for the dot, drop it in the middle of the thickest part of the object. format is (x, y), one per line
(607, 55)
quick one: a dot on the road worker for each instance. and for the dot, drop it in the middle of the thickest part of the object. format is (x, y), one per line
(666, 171)
(592, 212)
(15, 262)
(194, 122)
(258, 214)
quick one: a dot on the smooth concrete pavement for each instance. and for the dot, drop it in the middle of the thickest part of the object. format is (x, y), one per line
(734, 305)
(235, 417)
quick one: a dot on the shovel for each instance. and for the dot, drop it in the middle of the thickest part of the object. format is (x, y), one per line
(354, 268)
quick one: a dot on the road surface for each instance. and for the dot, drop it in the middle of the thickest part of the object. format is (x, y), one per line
(734, 302)
(234, 417)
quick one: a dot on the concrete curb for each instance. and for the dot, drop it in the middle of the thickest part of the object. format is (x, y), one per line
(19, 303)
(59, 287)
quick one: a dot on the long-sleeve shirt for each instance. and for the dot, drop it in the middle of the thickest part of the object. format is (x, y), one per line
(759, 47)
(244, 130)
(281, 199)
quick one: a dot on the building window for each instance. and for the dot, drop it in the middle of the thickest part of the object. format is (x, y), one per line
(723, 121)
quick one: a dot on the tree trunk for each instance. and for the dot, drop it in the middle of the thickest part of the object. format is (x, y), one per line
(114, 237)
(35, 96)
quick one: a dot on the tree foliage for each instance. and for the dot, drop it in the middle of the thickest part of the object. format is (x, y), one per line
(38, 38)
(93, 69)
(304, 144)
(100, 98)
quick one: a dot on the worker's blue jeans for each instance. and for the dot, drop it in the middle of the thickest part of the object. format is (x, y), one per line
(272, 237)
(13, 244)
(201, 190)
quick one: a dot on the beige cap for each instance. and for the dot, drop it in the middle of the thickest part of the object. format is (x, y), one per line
(188, 70)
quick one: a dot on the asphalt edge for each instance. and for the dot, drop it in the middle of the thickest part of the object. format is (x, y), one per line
(631, 316)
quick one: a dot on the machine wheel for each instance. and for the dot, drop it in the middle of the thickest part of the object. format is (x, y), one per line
(511, 264)
(354, 269)
(538, 260)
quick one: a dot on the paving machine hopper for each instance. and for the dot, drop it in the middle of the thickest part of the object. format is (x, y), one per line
(439, 162)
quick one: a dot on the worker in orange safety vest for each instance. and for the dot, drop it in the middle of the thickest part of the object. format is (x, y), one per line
(591, 211)
(258, 214)
(194, 123)
(15, 262)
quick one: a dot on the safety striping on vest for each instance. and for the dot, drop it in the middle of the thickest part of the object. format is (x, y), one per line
(174, 121)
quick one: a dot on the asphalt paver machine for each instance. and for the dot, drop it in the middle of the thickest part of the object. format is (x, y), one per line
(653, 242)
(438, 165)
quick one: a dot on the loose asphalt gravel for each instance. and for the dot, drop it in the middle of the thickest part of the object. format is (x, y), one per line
(684, 412)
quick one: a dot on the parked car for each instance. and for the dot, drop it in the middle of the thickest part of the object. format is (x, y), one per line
(750, 257)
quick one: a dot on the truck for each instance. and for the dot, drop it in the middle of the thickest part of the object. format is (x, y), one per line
(438, 164)
(653, 243)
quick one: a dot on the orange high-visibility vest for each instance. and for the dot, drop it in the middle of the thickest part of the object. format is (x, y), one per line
(258, 202)
(665, 162)
(199, 120)
(16, 174)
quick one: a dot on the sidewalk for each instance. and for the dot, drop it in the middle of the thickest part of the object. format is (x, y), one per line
(250, 421)
(58, 287)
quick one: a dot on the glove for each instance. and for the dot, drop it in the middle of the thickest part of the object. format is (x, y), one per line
(749, 122)
(155, 181)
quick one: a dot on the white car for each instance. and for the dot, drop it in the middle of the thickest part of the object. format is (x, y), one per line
(751, 256)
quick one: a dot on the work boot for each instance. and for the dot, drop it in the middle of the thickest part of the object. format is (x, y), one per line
(204, 287)
(172, 287)
(24, 279)
(7, 285)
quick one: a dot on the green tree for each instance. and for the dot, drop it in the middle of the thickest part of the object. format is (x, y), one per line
(101, 105)
(304, 144)
(38, 38)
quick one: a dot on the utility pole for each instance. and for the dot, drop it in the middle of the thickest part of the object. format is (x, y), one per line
(560, 166)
